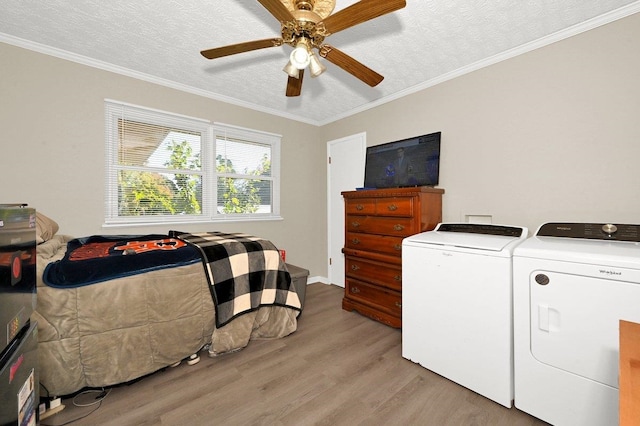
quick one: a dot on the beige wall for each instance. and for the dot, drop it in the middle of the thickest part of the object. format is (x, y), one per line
(52, 151)
(551, 135)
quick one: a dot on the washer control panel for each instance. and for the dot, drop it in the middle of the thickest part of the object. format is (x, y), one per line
(477, 228)
(591, 231)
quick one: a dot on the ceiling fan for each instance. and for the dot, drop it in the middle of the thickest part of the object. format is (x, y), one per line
(305, 25)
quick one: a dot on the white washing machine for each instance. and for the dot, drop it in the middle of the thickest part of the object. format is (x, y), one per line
(573, 283)
(457, 304)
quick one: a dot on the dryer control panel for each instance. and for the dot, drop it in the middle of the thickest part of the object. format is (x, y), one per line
(591, 231)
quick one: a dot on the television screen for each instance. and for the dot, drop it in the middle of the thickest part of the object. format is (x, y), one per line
(408, 162)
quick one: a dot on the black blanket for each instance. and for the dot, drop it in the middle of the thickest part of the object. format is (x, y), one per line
(244, 273)
(95, 259)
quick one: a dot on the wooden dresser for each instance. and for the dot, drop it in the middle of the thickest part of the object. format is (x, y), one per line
(376, 221)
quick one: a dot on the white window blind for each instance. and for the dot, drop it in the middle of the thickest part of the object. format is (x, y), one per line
(163, 167)
(246, 166)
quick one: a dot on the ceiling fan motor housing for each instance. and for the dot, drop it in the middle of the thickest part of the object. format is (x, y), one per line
(303, 27)
(322, 8)
(304, 4)
(307, 22)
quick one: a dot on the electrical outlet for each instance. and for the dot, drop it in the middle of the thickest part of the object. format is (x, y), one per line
(55, 403)
(478, 218)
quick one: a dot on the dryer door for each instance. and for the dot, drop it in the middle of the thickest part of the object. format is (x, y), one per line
(575, 321)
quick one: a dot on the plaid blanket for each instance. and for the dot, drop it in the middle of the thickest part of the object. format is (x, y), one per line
(244, 273)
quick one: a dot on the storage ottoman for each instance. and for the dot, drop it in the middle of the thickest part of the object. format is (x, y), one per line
(299, 278)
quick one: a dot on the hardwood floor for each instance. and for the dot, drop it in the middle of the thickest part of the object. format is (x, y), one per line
(338, 368)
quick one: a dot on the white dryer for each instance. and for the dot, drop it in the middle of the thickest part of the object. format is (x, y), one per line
(573, 283)
(457, 304)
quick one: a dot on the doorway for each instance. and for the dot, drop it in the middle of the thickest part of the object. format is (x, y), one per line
(345, 172)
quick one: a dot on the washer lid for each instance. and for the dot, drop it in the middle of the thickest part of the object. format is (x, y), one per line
(472, 236)
(589, 251)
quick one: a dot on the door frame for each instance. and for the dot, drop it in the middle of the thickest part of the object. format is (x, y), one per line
(358, 145)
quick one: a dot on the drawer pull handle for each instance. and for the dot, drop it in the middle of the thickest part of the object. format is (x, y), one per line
(397, 247)
(355, 224)
(359, 207)
(355, 290)
(399, 305)
(354, 267)
(355, 241)
(398, 227)
(392, 207)
(398, 278)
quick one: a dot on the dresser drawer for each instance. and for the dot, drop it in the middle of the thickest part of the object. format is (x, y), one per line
(378, 243)
(360, 206)
(395, 206)
(398, 226)
(384, 274)
(377, 297)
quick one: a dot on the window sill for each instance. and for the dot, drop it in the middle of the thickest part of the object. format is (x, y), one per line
(192, 222)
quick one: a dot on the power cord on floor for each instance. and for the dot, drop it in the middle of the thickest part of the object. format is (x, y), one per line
(102, 395)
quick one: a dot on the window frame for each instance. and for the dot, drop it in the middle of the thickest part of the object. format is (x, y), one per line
(209, 131)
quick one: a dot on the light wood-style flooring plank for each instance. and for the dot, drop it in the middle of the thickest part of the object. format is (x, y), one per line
(338, 368)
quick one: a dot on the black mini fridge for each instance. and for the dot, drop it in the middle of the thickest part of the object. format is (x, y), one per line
(19, 396)
(19, 374)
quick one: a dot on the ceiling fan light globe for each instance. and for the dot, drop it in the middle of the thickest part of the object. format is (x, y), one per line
(315, 66)
(300, 57)
(291, 70)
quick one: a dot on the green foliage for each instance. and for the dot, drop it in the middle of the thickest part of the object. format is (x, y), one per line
(235, 195)
(148, 193)
(185, 199)
(144, 193)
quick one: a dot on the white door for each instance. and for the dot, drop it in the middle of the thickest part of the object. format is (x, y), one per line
(345, 172)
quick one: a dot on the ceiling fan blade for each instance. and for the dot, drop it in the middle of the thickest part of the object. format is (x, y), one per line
(360, 12)
(232, 49)
(277, 9)
(294, 85)
(350, 65)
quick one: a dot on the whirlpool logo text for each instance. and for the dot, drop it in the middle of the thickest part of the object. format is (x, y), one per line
(609, 272)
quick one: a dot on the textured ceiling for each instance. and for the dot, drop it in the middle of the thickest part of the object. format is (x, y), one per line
(420, 45)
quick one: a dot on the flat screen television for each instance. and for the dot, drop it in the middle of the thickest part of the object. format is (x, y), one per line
(408, 162)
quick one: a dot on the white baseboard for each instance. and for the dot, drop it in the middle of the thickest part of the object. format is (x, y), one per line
(323, 280)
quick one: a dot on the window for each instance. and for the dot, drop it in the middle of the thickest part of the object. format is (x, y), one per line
(247, 165)
(164, 167)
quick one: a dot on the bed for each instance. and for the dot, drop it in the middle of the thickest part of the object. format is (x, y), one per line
(114, 330)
